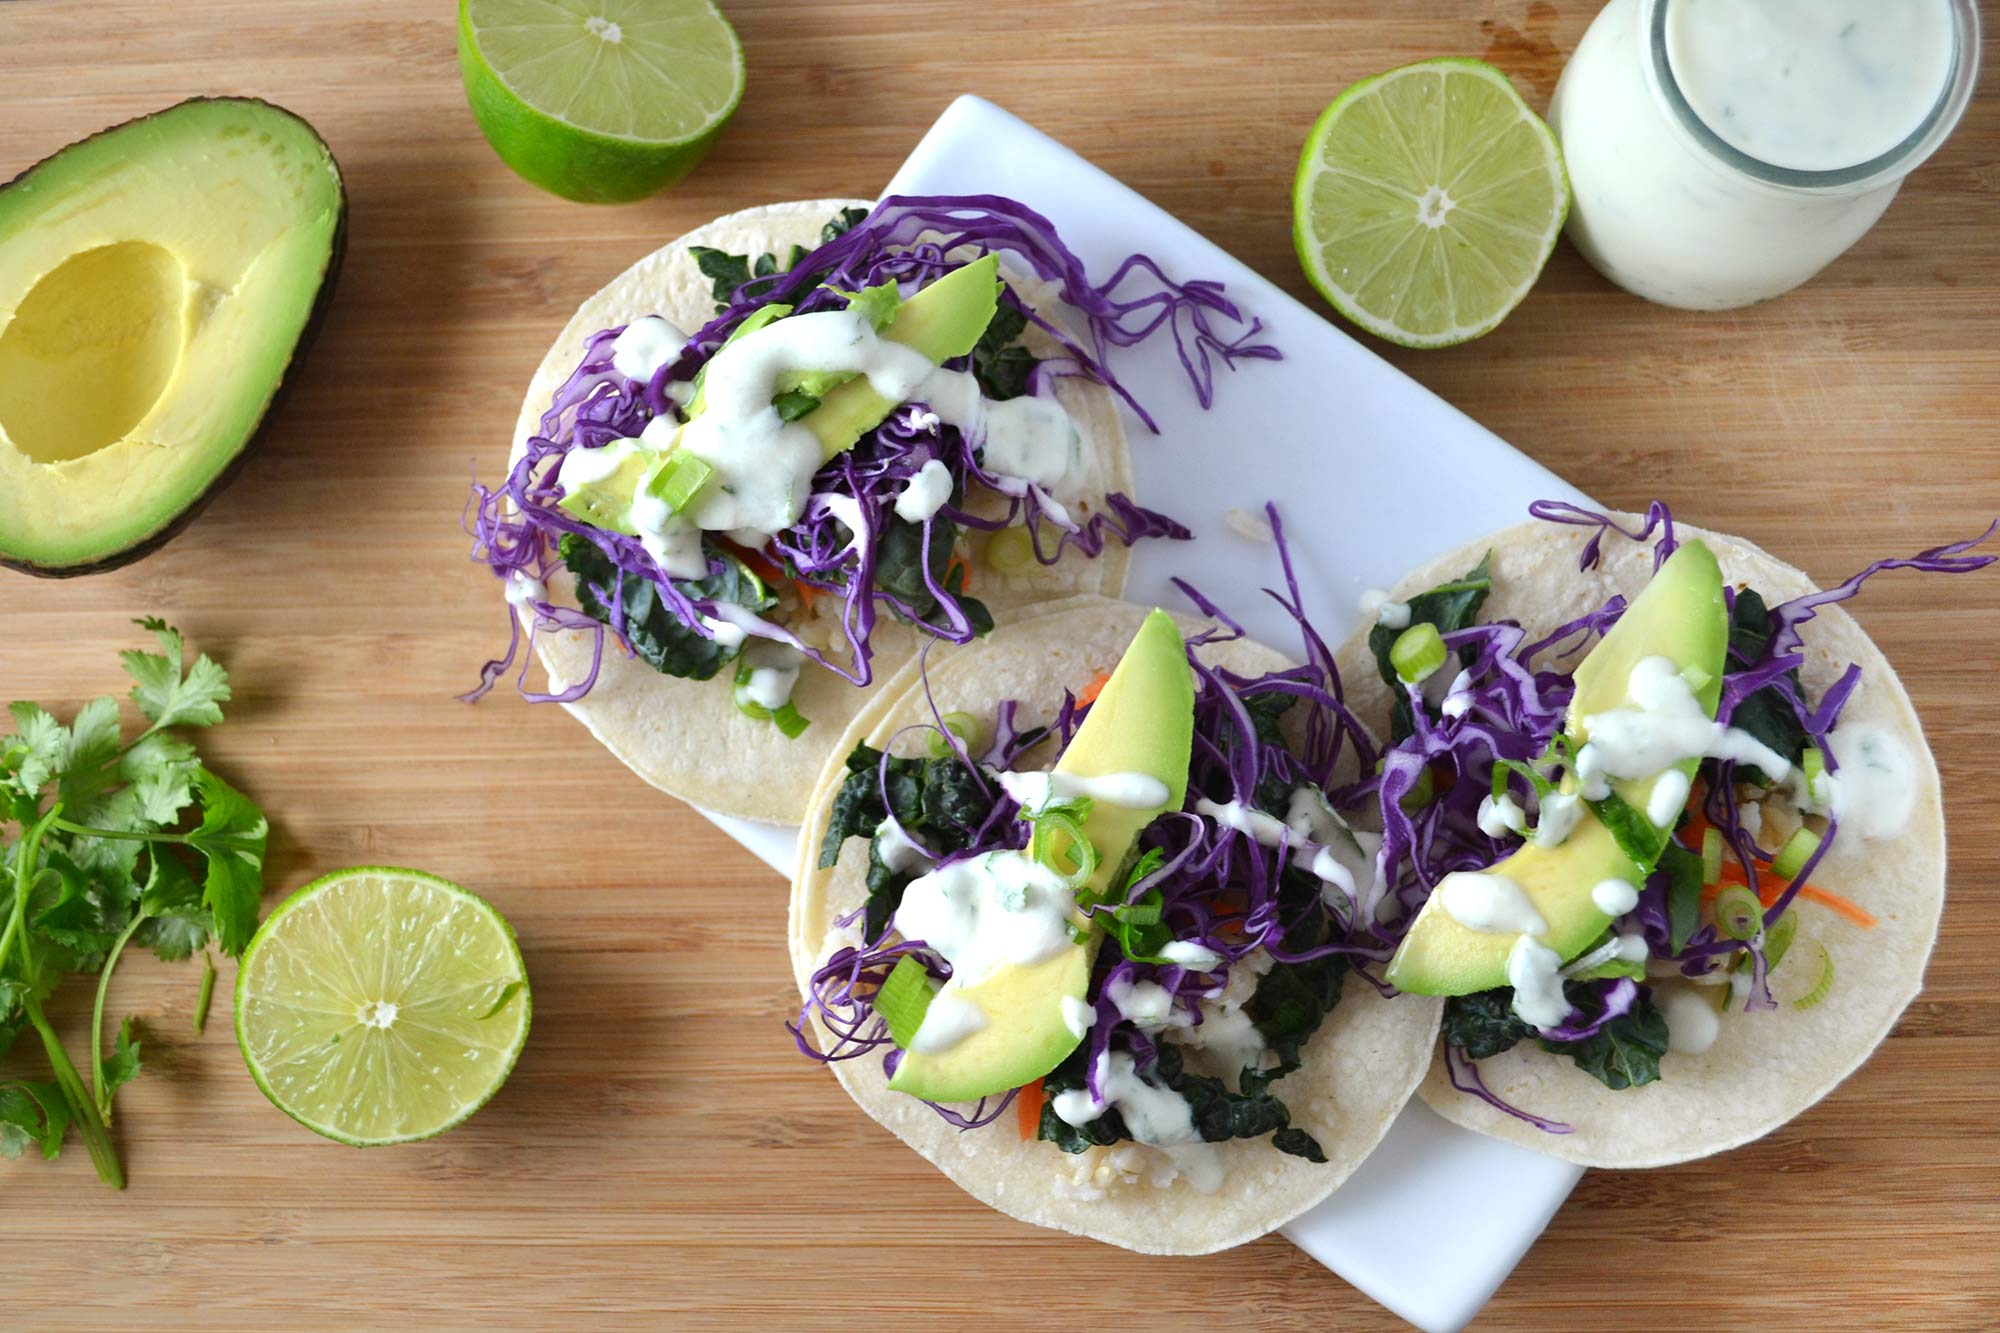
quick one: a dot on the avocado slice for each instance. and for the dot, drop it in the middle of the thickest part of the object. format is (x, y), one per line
(1142, 721)
(1681, 616)
(943, 320)
(157, 281)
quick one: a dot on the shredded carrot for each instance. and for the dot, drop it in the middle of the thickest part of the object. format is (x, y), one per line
(1028, 1110)
(964, 573)
(1773, 888)
(1089, 693)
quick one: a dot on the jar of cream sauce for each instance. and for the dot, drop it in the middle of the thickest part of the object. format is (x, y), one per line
(1722, 152)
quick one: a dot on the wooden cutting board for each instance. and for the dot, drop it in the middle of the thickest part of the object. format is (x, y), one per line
(661, 1156)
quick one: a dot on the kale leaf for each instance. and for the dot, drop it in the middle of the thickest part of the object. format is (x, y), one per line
(1483, 1023)
(939, 801)
(1626, 1052)
(999, 363)
(728, 274)
(1683, 870)
(656, 635)
(1219, 1114)
(899, 572)
(1449, 606)
(1767, 714)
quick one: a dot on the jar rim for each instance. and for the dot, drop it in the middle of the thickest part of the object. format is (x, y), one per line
(1893, 165)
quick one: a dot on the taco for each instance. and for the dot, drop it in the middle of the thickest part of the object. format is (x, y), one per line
(888, 426)
(1055, 938)
(1666, 820)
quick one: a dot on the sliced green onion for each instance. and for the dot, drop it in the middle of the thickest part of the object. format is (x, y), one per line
(962, 725)
(1011, 551)
(1711, 856)
(1074, 859)
(904, 999)
(1813, 765)
(1139, 913)
(1824, 986)
(1738, 914)
(1778, 937)
(790, 722)
(786, 718)
(678, 478)
(1792, 857)
(1417, 652)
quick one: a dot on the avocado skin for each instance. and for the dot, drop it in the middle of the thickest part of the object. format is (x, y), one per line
(329, 276)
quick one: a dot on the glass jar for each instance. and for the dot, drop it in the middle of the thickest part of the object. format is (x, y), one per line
(1672, 210)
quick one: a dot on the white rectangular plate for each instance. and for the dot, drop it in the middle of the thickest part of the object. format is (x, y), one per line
(1373, 474)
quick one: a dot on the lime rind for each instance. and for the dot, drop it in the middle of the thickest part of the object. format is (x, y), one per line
(574, 128)
(1427, 201)
(380, 1005)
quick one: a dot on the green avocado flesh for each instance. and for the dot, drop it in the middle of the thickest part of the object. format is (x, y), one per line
(156, 282)
(943, 320)
(1142, 722)
(1681, 616)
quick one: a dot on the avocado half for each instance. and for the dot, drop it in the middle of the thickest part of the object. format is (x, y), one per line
(157, 281)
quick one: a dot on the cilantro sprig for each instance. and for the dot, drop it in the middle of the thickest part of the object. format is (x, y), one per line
(109, 835)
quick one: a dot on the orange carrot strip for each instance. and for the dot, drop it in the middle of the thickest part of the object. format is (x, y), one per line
(1028, 1110)
(1853, 911)
(1774, 888)
(1089, 693)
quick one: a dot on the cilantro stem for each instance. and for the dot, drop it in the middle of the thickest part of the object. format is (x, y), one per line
(118, 835)
(26, 859)
(82, 1106)
(100, 1093)
(207, 991)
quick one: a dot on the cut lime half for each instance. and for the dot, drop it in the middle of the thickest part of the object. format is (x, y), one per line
(1427, 201)
(601, 101)
(380, 1006)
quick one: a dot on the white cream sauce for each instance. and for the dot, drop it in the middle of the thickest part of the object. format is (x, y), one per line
(1488, 903)
(1003, 908)
(647, 343)
(1874, 793)
(1078, 1016)
(1692, 1023)
(1501, 816)
(1534, 970)
(774, 673)
(1614, 897)
(1663, 725)
(950, 1020)
(900, 852)
(1194, 957)
(1262, 828)
(925, 493)
(1127, 791)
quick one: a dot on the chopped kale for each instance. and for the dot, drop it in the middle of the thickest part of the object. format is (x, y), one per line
(656, 635)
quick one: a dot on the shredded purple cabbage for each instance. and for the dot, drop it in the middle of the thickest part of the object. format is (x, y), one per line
(517, 526)
(1513, 707)
(1219, 886)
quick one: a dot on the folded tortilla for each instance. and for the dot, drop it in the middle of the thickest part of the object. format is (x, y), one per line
(686, 737)
(1359, 1070)
(1765, 1067)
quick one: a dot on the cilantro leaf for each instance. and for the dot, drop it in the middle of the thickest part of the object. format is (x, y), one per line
(34, 1113)
(35, 751)
(232, 836)
(123, 1064)
(166, 696)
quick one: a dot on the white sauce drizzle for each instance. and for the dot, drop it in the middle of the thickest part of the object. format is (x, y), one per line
(1501, 816)
(1262, 828)
(1614, 897)
(1002, 908)
(1490, 904)
(1669, 796)
(524, 588)
(925, 493)
(774, 673)
(1028, 438)
(647, 343)
(1194, 957)
(949, 1021)
(1156, 1116)
(1556, 817)
(1534, 970)
(900, 852)
(1127, 791)
(1692, 1024)
(1875, 792)
(1376, 606)
(1078, 1016)
(1147, 1004)
(1664, 725)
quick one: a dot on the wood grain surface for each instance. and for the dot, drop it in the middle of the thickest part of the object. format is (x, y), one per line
(661, 1157)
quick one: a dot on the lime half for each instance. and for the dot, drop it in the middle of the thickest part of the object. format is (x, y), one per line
(1427, 201)
(602, 101)
(379, 1006)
